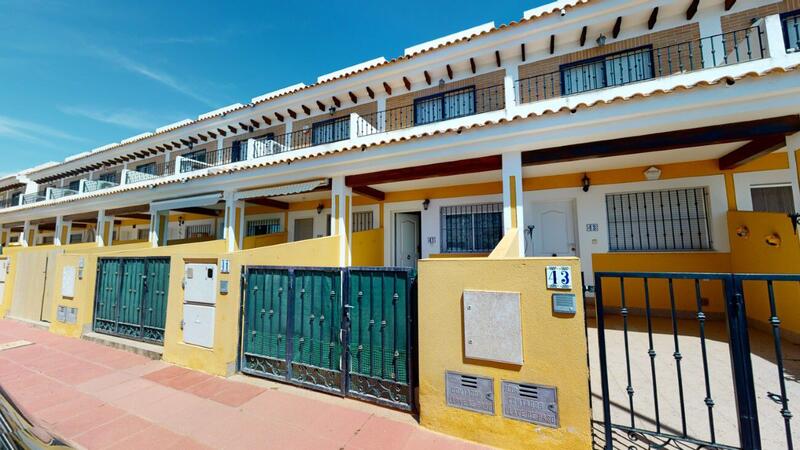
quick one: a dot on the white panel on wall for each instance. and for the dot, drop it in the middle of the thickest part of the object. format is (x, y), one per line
(198, 325)
(200, 284)
(68, 282)
(493, 326)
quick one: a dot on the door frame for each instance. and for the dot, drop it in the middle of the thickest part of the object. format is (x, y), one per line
(389, 243)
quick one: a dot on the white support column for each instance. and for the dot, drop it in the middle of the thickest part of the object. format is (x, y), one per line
(381, 119)
(793, 149)
(341, 207)
(159, 228)
(220, 146)
(233, 228)
(27, 234)
(712, 40)
(57, 234)
(104, 235)
(775, 42)
(512, 71)
(288, 141)
(513, 217)
(353, 125)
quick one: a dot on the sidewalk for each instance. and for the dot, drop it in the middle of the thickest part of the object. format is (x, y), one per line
(98, 397)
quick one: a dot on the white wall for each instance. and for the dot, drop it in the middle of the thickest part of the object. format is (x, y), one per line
(430, 222)
(591, 209)
(747, 180)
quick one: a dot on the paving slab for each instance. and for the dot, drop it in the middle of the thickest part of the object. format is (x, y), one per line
(99, 397)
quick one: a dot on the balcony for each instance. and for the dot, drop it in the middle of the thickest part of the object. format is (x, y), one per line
(56, 193)
(96, 185)
(614, 69)
(644, 64)
(35, 197)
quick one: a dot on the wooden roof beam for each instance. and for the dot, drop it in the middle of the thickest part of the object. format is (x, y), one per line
(670, 140)
(751, 151)
(366, 191)
(617, 27)
(460, 167)
(387, 88)
(651, 22)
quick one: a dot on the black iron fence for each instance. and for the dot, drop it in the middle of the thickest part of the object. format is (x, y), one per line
(644, 63)
(453, 104)
(791, 30)
(213, 158)
(646, 314)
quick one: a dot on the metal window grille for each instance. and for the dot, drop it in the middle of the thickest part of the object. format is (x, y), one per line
(75, 238)
(149, 168)
(196, 231)
(74, 185)
(263, 226)
(448, 105)
(110, 177)
(471, 228)
(362, 221)
(610, 70)
(330, 130)
(142, 234)
(791, 30)
(675, 219)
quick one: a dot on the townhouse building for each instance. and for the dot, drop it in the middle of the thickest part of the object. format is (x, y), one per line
(606, 135)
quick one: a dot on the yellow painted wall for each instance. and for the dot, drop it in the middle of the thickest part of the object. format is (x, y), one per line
(219, 360)
(265, 240)
(659, 291)
(554, 352)
(752, 254)
(368, 248)
(508, 247)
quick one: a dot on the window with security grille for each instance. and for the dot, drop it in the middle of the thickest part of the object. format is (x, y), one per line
(75, 238)
(666, 220)
(471, 228)
(362, 221)
(198, 231)
(777, 199)
(149, 168)
(444, 106)
(263, 226)
(605, 71)
(330, 131)
(110, 177)
(142, 234)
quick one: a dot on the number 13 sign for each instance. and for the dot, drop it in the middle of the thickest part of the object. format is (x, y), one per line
(559, 277)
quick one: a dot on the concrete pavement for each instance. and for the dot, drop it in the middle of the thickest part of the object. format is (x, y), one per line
(102, 398)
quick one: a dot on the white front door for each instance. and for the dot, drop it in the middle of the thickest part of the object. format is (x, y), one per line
(553, 232)
(407, 237)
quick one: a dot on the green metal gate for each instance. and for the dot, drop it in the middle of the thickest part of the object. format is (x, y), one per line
(298, 327)
(131, 297)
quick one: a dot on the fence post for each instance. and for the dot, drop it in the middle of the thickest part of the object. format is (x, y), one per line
(743, 381)
(601, 344)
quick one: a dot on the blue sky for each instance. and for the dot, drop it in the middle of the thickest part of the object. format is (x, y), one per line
(75, 75)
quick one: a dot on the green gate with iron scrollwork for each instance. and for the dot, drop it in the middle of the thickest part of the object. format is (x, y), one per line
(344, 331)
(131, 298)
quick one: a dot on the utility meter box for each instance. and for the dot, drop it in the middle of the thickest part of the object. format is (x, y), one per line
(493, 326)
(200, 284)
(3, 270)
(198, 325)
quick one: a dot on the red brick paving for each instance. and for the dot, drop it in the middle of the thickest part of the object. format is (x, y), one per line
(102, 398)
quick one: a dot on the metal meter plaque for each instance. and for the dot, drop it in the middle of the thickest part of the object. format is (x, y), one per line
(530, 403)
(470, 392)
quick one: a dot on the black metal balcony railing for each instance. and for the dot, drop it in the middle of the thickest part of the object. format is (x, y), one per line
(326, 132)
(791, 31)
(436, 108)
(644, 64)
(212, 158)
(8, 203)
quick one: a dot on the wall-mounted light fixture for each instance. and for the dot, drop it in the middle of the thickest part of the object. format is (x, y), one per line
(181, 221)
(332, 110)
(441, 83)
(652, 174)
(586, 182)
(426, 204)
(320, 207)
(601, 40)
